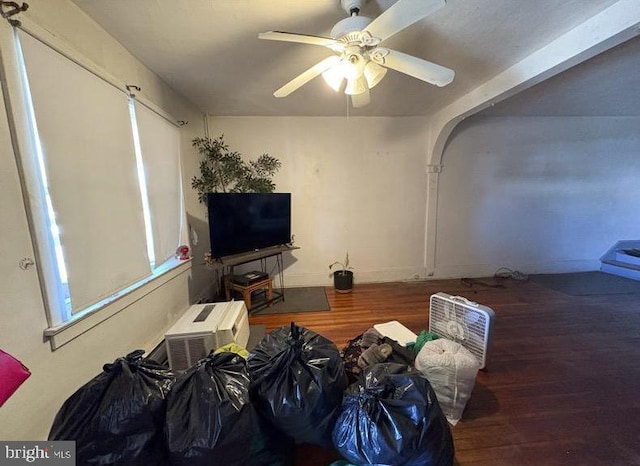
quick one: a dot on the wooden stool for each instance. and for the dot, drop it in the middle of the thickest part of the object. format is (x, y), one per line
(246, 290)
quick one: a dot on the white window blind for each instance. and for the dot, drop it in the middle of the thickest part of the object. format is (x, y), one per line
(84, 129)
(160, 147)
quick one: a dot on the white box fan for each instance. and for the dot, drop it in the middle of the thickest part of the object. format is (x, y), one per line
(466, 322)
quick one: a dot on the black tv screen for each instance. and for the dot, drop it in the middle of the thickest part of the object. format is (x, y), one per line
(243, 222)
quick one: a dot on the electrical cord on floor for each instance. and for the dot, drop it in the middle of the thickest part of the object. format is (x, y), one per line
(505, 272)
(474, 281)
(502, 273)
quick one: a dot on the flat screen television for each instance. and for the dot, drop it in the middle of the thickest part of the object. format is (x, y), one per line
(243, 222)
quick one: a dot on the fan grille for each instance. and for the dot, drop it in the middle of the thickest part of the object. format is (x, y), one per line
(461, 321)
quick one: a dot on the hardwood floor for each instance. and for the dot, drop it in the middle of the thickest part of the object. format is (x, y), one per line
(562, 385)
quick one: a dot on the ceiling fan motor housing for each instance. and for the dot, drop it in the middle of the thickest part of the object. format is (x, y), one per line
(349, 25)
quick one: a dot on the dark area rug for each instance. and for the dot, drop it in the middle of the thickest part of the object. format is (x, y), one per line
(256, 334)
(587, 283)
(303, 299)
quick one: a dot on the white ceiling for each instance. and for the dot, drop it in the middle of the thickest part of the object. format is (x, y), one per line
(209, 52)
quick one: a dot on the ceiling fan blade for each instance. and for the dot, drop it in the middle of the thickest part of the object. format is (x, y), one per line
(303, 39)
(418, 68)
(307, 76)
(360, 100)
(400, 15)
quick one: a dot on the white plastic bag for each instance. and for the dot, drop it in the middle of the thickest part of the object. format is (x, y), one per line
(451, 369)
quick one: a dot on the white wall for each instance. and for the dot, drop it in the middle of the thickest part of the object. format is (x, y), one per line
(357, 185)
(56, 375)
(536, 194)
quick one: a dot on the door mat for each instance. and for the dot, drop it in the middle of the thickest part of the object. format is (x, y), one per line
(587, 283)
(302, 299)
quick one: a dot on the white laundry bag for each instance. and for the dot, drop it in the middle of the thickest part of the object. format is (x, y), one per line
(451, 369)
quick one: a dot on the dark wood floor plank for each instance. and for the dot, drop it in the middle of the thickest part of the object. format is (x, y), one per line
(563, 380)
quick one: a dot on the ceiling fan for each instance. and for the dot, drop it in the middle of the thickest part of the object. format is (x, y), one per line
(360, 62)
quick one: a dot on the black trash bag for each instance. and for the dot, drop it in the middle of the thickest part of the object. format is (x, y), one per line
(392, 417)
(297, 383)
(117, 417)
(210, 419)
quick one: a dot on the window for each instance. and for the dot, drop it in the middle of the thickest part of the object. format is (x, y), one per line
(159, 143)
(106, 195)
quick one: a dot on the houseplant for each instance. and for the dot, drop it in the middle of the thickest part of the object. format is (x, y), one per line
(223, 170)
(342, 278)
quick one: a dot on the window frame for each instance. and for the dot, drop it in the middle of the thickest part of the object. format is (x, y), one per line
(62, 326)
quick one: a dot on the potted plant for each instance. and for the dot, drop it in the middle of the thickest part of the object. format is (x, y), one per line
(224, 171)
(342, 278)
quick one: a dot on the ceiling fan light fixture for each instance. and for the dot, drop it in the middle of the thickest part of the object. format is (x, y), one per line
(334, 78)
(356, 86)
(374, 73)
(352, 66)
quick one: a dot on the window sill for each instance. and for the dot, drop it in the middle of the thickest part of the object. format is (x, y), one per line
(80, 323)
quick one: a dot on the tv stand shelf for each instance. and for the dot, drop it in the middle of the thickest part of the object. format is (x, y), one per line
(246, 257)
(226, 265)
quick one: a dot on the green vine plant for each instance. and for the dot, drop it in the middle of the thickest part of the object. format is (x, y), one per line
(224, 171)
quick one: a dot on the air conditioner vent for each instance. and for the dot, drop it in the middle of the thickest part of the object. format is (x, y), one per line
(205, 327)
(177, 353)
(197, 349)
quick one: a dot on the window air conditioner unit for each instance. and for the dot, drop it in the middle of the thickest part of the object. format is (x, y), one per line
(205, 327)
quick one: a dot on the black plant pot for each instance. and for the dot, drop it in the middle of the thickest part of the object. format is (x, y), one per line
(343, 281)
